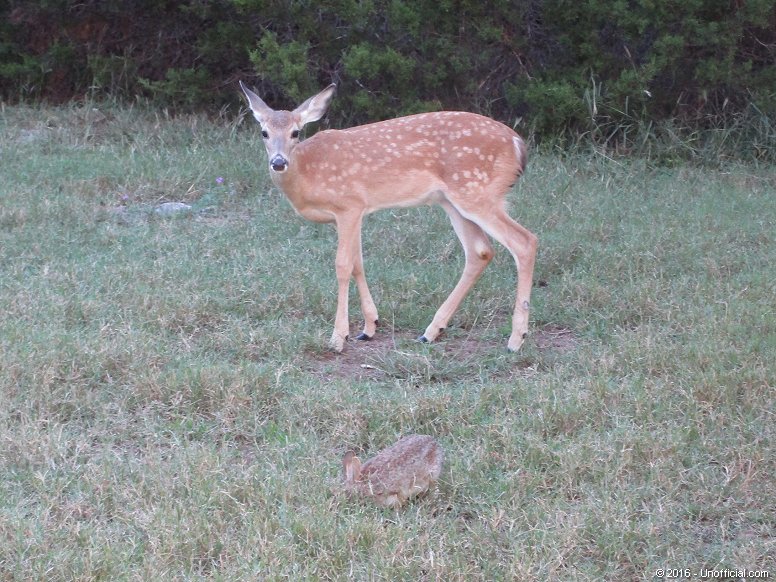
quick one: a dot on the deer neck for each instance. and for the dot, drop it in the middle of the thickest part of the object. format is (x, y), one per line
(299, 186)
(288, 182)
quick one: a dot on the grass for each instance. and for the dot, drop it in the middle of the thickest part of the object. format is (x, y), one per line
(168, 409)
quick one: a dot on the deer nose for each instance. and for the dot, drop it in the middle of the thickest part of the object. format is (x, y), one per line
(279, 163)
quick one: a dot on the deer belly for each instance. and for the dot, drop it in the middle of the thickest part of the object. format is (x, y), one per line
(408, 199)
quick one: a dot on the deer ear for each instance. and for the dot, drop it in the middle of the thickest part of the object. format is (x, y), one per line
(352, 467)
(260, 109)
(314, 108)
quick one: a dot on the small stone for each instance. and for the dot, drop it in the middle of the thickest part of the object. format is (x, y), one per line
(169, 208)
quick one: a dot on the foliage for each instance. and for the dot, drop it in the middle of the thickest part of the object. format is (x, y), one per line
(596, 68)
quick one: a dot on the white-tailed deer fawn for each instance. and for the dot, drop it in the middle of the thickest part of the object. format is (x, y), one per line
(464, 162)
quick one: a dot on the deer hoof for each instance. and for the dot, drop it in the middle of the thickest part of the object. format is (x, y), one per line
(363, 337)
(422, 339)
(515, 342)
(337, 344)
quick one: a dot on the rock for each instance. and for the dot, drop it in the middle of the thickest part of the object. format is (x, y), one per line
(170, 208)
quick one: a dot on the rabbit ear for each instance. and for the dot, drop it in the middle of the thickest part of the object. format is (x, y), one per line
(352, 466)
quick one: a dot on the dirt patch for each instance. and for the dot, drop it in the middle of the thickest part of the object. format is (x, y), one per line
(397, 353)
(361, 359)
(554, 337)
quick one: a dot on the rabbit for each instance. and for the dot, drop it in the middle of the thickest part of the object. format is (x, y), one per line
(397, 473)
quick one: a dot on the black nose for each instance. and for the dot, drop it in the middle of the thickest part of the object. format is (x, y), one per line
(279, 163)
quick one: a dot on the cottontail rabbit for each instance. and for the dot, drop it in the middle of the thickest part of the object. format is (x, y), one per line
(397, 473)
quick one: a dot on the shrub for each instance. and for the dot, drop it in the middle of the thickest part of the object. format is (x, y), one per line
(597, 68)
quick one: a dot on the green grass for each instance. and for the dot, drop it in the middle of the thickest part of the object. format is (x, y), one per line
(168, 409)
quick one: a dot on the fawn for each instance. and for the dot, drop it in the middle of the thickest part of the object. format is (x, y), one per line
(464, 162)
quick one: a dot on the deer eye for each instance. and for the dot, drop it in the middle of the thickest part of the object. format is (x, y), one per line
(295, 134)
(264, 134)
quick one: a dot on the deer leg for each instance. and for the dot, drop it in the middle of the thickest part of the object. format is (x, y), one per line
(368, 307)
(348, 229)
(522, 243)
(478, 252)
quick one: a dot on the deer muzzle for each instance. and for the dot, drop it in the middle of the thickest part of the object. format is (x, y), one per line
(278, 163)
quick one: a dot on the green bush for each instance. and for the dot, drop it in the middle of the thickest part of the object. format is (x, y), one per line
(600, 68)
(180, 87)
(285, 65)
